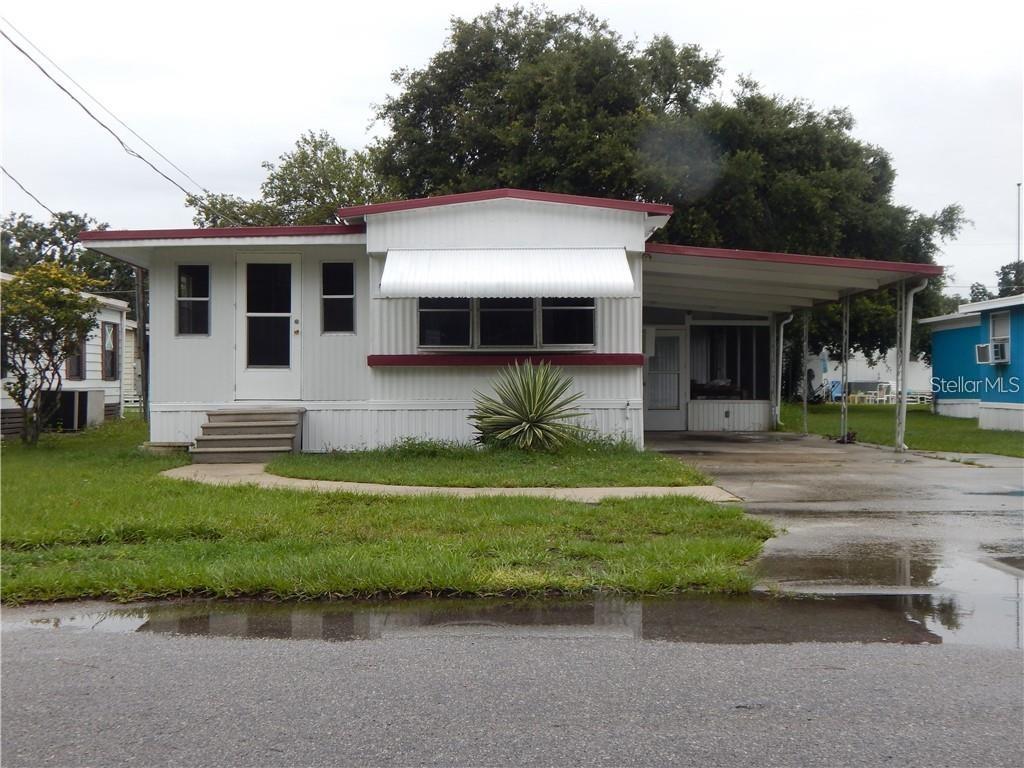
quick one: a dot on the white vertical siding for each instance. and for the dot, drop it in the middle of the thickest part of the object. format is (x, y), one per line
(332, 429)
(334, 364)
(458, 383)
(192, 368)
(729, 415)
(506, 223)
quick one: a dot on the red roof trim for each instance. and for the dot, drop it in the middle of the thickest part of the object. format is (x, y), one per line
(498, 194)
(99, 235)
(447, 360)
(931, 270)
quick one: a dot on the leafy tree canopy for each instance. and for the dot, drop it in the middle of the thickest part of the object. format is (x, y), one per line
(45, 319)
(559, 102)
(1010, 278)
(305, 186)
(528, 98)
(24, 241)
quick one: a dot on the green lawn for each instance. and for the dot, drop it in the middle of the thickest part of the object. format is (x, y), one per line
(587, 465)
(925, 430)
(86, 516)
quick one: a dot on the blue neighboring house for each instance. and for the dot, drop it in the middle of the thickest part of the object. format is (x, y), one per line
(978, 362)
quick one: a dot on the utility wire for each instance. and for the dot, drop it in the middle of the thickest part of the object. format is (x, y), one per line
(103, 106)
(131, 152)
(22, 188)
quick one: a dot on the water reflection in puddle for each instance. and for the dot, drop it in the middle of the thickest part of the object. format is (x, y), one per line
(695, 619)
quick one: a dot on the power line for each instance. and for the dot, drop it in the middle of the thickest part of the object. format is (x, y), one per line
(103, 106)
(131, 152)
(23, 189)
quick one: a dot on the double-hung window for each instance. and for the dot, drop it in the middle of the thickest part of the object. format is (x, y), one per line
(338, 297)
(74, 366)
(193, 299)
(110, 334)
(999, 336)
(521, 323)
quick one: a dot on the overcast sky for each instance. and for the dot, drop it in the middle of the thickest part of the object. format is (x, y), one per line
(219, 87)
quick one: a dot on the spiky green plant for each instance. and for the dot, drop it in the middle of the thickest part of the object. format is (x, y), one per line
(531, 411)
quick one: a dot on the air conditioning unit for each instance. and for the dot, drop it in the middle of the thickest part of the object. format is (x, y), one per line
(982, 354)
(1000, 350)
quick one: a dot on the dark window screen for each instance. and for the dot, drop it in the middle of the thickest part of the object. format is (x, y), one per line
(269, 288)
(506, 322)
(193, 317)
(567, 321)
(269, 341)
(193, 281)
(339, 280)
(444, 322)
(339, 315)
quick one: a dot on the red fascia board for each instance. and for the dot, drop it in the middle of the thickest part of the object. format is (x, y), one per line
(498, 194)
(838, 262)
(450, 360)
(100, 235)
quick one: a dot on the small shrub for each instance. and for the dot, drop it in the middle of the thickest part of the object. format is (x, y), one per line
(531, 411)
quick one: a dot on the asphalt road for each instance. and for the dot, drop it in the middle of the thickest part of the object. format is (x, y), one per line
(80, 697)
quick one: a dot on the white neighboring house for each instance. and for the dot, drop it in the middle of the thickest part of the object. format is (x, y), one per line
(864, 376)
(93, 383)
(269, 339)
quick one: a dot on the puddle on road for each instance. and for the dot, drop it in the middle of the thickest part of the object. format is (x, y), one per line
(909, 619)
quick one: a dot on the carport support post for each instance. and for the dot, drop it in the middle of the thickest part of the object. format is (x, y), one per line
(780, 345)
(803, 365)
(843, 416)
(903, 362)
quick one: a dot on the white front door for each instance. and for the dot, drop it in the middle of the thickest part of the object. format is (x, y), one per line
(666, 380)
(267, 340)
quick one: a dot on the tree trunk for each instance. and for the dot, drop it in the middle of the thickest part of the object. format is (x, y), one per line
(25, 426)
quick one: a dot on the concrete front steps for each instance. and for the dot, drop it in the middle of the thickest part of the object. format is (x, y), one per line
(248, 436)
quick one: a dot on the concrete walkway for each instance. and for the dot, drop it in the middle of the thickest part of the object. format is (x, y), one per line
(256, 474)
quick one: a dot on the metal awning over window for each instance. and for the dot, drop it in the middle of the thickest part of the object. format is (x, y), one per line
(506, 273)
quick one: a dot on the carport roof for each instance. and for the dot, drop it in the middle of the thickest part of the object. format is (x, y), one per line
(761, 282)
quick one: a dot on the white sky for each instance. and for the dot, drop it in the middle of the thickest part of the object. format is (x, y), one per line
(219, 87)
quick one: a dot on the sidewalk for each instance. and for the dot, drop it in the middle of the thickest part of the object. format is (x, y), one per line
(256, 474)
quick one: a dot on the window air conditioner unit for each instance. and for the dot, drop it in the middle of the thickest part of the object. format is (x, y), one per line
(1000, 350)
(982, 354)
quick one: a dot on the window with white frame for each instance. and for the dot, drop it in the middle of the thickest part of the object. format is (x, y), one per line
(506, 323)
(999, 336)
(338, 297)
(193, 299)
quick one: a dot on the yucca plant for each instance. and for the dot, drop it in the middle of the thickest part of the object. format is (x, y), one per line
(530, 411)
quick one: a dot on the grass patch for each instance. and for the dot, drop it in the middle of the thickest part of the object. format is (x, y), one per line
(926, 431)
(87, 516)
(594, 464)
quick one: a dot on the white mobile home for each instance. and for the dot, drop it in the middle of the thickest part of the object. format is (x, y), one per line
(382, 327)
(93, 384)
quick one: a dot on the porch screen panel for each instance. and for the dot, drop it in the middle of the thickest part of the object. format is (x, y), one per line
(268, 314)
(663, 375)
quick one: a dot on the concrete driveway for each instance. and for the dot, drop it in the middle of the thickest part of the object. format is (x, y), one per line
(858, 520)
